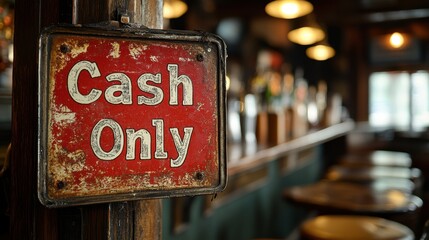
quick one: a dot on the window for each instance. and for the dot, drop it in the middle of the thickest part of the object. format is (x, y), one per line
(399, 100)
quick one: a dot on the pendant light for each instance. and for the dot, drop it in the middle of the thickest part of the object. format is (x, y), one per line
(306, 35)
(288, 9)
(320, 52)
(174, 8)
(306, 31)
(397, 40)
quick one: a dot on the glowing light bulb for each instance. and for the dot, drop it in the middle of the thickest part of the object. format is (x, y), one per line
(306, 35)
(396, 40)
(320, 52)
(227, 83)
(174, 8)
(288, 9)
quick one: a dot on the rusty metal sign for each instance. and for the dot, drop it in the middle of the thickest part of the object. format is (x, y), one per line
(126, 114)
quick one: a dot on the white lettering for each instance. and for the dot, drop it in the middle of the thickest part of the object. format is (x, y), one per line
(158, 95)
(181, 145)
(117, 136)
(124, 88)
(174, 84)
(159, 137)
(122, 93)
(73, 88)
(145, 143)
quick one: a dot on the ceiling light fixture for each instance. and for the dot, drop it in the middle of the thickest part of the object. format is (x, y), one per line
(306, 31)
(174, 8)
(396, 40)
(288, 9)
(320, 52)
(306, 35)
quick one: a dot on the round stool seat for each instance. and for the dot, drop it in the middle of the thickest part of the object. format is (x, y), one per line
(368, 174)
(356, 199)
(330, 227)
(330, 196)
(340, 172)
(377, 158)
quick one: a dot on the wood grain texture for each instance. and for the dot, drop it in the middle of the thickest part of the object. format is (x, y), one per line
(147, 224)
(28, 218)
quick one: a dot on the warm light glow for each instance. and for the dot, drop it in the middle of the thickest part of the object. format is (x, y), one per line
(288, 9)
(10, 55)
(320, 52)
(306, 35)
(174, 8)
(396, 40)
(227, 83)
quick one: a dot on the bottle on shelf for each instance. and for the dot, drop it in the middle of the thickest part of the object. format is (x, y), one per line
(299, 107)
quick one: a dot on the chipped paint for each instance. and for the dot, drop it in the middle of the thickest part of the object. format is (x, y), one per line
(199, 106)
(76, 50)
(154, 59)
(63, 115)
(78, 157)
(115, 52)
(136, 50)
(74, 47)
(185, 59)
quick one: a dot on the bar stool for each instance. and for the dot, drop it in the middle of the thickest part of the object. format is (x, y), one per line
(372, 172)
(332, 197)
(401, 184)
(363, 174)
(330, 227)
(377, 158)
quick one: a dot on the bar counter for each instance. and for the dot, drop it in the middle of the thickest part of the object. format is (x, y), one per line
(239, 160)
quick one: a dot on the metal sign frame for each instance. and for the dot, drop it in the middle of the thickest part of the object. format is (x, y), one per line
(49, 188)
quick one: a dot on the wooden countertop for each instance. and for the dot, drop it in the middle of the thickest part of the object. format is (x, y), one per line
(254, 156)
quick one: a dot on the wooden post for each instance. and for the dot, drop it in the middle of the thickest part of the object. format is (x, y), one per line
(147, 224)
(147, 220)
(140, 219)
(152, 13)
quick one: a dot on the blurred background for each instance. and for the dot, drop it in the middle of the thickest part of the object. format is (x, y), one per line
(378, 63)
(306, 85)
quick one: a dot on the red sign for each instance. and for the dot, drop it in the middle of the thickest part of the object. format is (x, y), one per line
(127, 115)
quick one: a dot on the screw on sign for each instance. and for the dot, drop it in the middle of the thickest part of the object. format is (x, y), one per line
(130, 114)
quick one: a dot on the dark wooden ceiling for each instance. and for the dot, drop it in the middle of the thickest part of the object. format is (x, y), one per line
(373, 14)
(329, 11)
